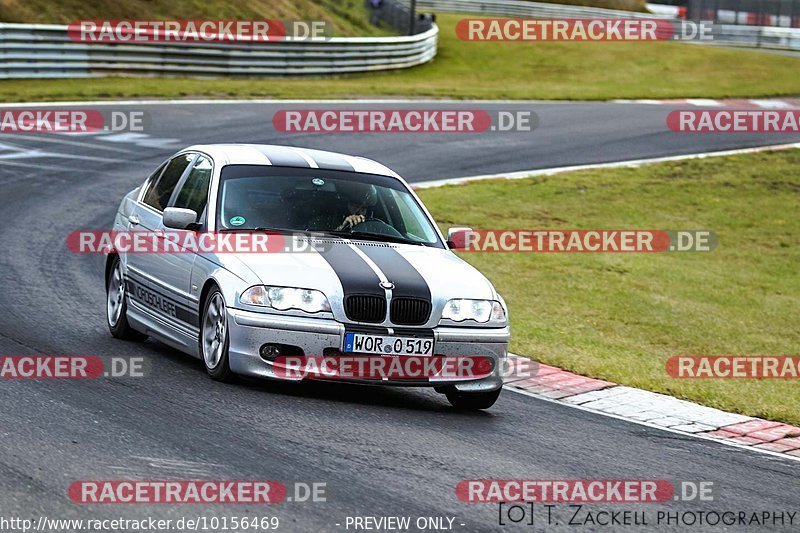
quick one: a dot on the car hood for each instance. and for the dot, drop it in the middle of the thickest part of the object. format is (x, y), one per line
(340, 267)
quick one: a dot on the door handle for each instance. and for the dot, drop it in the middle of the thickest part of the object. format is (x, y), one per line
(134, 220)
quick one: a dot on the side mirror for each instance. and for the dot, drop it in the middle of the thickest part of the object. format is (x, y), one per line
(179, 218)
(456, 238)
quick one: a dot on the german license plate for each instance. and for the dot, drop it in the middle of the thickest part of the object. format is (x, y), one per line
(387, 344)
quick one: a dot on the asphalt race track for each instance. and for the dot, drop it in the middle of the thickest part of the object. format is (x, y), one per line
(380, 451)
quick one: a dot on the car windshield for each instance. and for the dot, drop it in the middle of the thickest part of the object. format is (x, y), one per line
(345, 204)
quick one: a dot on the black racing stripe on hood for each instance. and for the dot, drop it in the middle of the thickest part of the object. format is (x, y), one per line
(355, 275)
(408, 282)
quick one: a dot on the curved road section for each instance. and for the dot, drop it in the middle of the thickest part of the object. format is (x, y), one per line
(380, 452)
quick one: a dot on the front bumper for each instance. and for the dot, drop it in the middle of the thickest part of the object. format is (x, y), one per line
(248, 331)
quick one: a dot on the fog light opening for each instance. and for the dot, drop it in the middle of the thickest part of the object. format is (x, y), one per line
(269, 352)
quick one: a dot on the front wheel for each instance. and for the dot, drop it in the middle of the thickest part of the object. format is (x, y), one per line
(214, 341)
(472, 401)
(117, 305)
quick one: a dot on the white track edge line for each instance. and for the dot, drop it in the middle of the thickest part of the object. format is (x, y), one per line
(388, 100)
(654, 426)
(351, 101)
(674, 102)
(522, 174)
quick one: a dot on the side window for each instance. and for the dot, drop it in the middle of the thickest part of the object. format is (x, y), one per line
(148, 185)
(159, 194)
(194, 191)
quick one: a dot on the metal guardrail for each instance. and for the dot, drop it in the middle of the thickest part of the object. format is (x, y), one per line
(783, 13)
(757, 36)
(46, 51)
(520, 8)
(752, 36)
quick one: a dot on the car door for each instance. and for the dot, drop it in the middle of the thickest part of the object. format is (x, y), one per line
(191, 193)
(154, 279)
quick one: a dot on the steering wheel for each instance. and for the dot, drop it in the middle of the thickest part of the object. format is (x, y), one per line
(376, 226)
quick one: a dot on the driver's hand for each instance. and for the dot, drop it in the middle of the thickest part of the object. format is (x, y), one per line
(351, 221)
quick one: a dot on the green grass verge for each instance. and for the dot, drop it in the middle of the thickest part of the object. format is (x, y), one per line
(490, 70)
(619, 317)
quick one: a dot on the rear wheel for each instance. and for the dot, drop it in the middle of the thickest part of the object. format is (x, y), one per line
(117, 306)
(214, 339)
(472, 401)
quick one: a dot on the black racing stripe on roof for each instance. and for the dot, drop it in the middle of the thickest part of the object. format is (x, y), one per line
(329, 161)
(281, 156)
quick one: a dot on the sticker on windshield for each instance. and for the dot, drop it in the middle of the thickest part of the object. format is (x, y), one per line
(237, 221)
(319, 182)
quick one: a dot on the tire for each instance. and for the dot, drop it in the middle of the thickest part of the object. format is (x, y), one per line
(117, 305)
(214, 338)
(472, 401)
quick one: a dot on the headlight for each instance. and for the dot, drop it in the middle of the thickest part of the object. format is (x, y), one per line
(481, 311)
(285, 298)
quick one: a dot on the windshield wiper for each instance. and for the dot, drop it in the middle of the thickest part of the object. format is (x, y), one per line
(374, 237)
(259, 228)
(346, 234)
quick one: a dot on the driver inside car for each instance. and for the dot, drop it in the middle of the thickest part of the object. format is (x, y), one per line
(360, 198)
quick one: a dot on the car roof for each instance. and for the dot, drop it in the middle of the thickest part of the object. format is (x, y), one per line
(289, 156)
